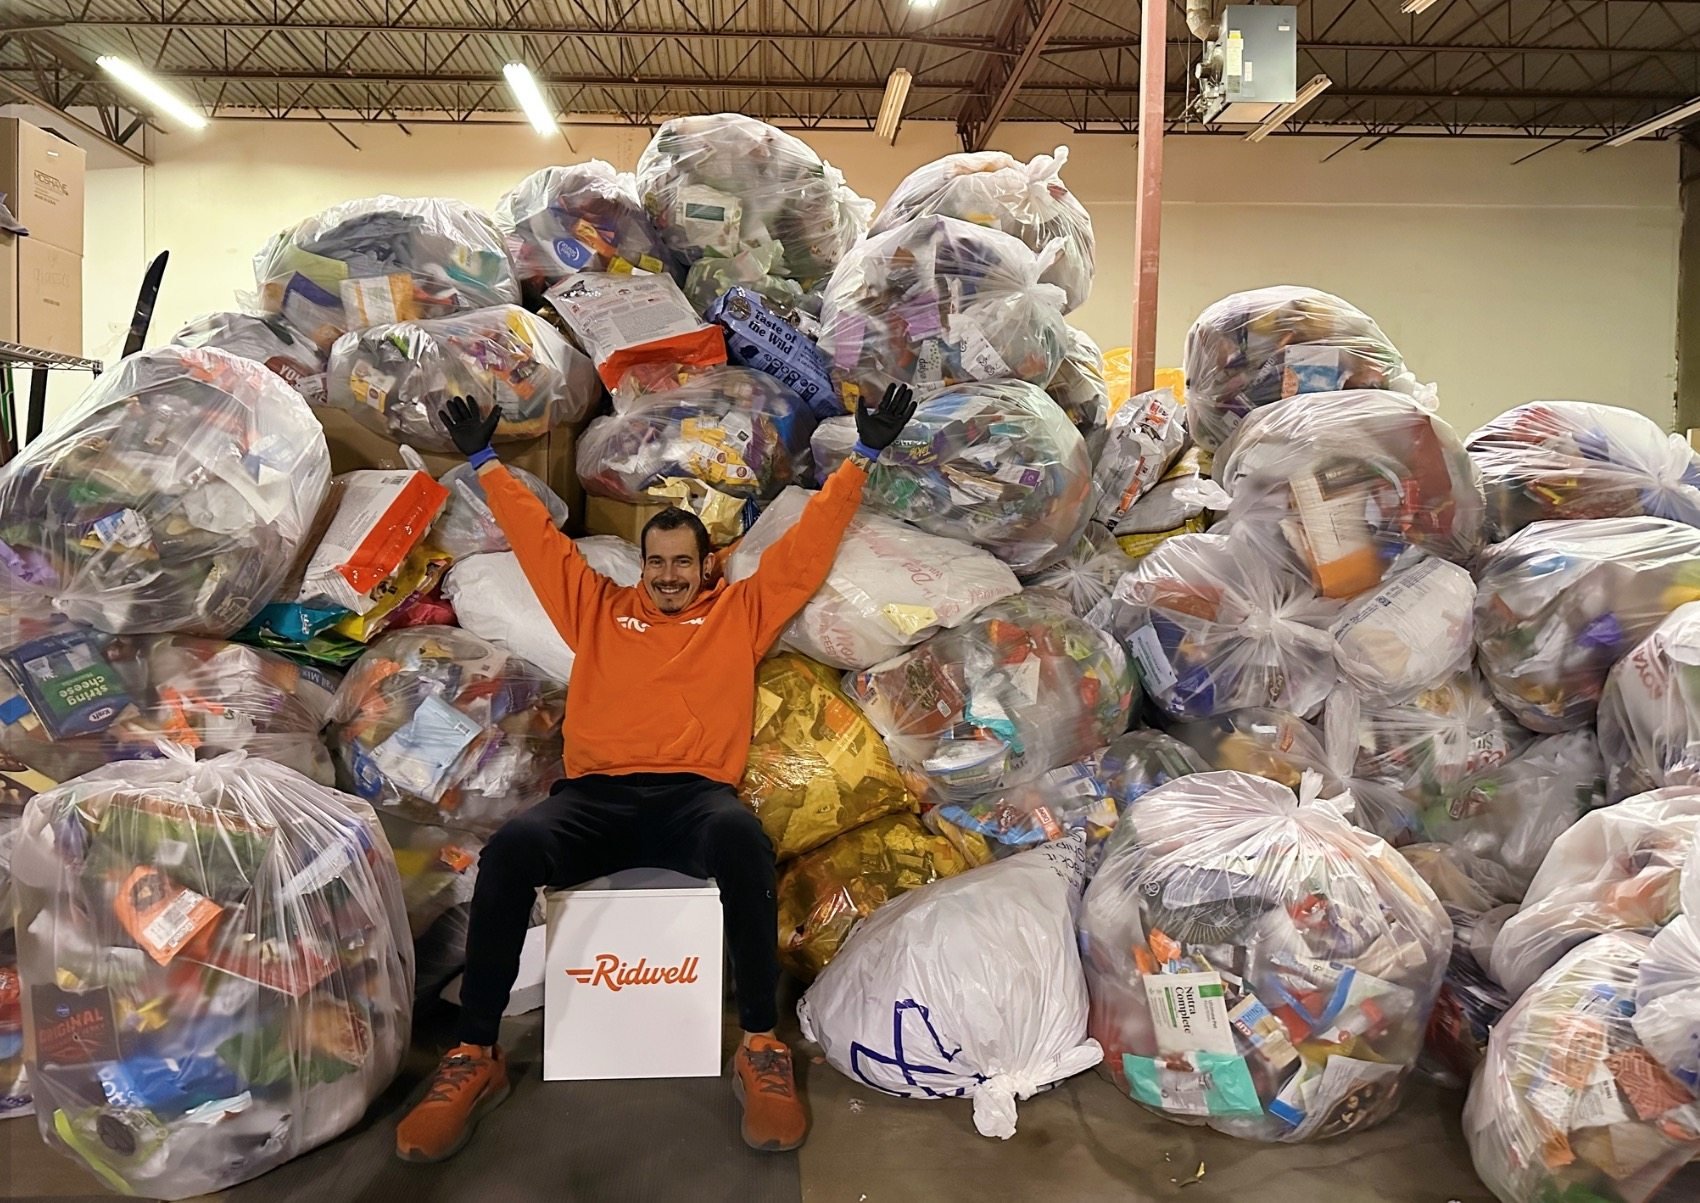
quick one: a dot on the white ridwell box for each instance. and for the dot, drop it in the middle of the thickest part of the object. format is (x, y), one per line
(631, 980)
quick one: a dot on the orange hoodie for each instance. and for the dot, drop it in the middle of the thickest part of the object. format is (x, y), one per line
(668, 693)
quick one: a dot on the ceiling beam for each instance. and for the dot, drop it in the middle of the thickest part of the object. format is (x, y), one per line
(18, 92)
(1014, 75)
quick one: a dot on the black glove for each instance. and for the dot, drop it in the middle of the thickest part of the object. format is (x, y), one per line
(878, 428)
(470, 428)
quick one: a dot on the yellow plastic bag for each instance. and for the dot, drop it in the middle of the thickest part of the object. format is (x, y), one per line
(1118, 375)
(817, 768)
(824, 894)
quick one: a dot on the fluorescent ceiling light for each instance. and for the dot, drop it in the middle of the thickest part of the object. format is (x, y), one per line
(1417, 6)
(1316, 87)
(151, 90)
(891, 107)
(1654, 125)
(523, 84)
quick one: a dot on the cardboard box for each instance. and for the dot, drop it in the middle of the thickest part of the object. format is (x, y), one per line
(605, 516)
(42, 177)
(41, 295)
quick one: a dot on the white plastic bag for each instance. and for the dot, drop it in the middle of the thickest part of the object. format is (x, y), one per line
(467, 526)
(969, 987)
(1650, 710)
(1411, 633)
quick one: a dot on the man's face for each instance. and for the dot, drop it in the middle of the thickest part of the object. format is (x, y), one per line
(673, 571)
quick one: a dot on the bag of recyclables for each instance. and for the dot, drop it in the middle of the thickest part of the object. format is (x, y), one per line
(970, 988)
(442, 727)
(1251, 349)
(217, 975)
(1570, 1104)
(1078, 386)
(173, 498)
(891, 586)
(1559, 603)
(1667, 990)
(1409, 634)
(382, 260)
(263, 338)
(1257, 963)
(1143, 441)
(993, 189)
(14, 1077)
(1570, 459)
(1072, 799)
(467, 526)
(1341, 485)
(1649, 716)
(1088, 574)
(937, 302)
(1021, 688)
(584, 217)
(994, 464)
(395, 379)
(1181, 502)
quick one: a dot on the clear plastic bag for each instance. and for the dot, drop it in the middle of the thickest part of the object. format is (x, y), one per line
(1085, 577)
(738, 432)
(15, 1100)
(1667, 990)
(1251, 349)
(1070, 800)
(381, 260)
(971, 989)
(1021, 688)
(891, 586)
(1410, 634)
(937, 302)
(1649, 716)
(395, 379)
(444, 728)
(216, 966)
(816, 768)
(1559, 603)
(823, 894)
(1078, 386)
(1143, 441)
(205, 695)
(1469, 1004)
(1213, 627)
(1569, 1104)
(1257, 963)
(1341, 485)
(719, 184)
(263, 338)
(1138, 762)
(1571, 459)
(584, 217)
(997, 465)
(468, 527)
(1264, 742)
(1616, 869)
(831, 444)
(173, 498)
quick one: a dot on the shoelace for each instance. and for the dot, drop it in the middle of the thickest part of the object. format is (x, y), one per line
(772, 1069)
(452, 1074)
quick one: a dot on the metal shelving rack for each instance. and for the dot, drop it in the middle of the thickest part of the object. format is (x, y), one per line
(39, 363)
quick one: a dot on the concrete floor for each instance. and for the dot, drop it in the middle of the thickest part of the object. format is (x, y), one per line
(597, 1141)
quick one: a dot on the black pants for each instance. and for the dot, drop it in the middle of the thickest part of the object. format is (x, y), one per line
(593, 825)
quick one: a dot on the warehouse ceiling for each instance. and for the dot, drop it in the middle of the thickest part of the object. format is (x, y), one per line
(1588, 67)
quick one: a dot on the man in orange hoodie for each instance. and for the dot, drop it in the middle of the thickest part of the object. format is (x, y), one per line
(658, 728)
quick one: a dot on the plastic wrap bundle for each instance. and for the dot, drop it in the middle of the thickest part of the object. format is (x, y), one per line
(891, 586)
(78, 700)
(721, 184)
(382, 260)
(823, 894)
(586, 217)
(1569, 1104)
(173, 498)
(216, 968)
(1570, 459)
(1254, 348)
(1180, 503)
(970, 989)
(1559, 603)
(1143, 441)
(1342, 484)
(1257, 963)
(1213, 627)
(1078, 385)
(263, 338)
(1138, 762)
(996, 465)
(1649, 716)
(998, 701)
(467, 527)
(938, 302)
(395, 379)
(1616, 869)
(1410, 634)
(442, 727)
(1087, 576)
(14, 1078)
(816, 768)
(494, 601)
(737, 431)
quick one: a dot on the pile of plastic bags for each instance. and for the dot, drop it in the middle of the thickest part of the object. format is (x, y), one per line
(586, 217)
(1649, 717)
(216, 968)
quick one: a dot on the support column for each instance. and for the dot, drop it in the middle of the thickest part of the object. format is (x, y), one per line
(1688, 294)
(1148, 212)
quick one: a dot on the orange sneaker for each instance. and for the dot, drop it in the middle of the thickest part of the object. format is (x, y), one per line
(469, 1082)
(774, 1119)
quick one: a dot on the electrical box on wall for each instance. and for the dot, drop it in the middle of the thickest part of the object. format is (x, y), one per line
(1252, 66)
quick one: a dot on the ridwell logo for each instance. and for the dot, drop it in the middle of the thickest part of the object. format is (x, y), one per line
(616, 974)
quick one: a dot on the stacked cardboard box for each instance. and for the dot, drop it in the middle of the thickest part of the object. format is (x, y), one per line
(41, 275)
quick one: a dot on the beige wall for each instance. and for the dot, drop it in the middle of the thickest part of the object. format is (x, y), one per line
(1556, 277)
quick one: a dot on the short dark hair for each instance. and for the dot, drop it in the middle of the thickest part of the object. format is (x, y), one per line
(674, 518)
